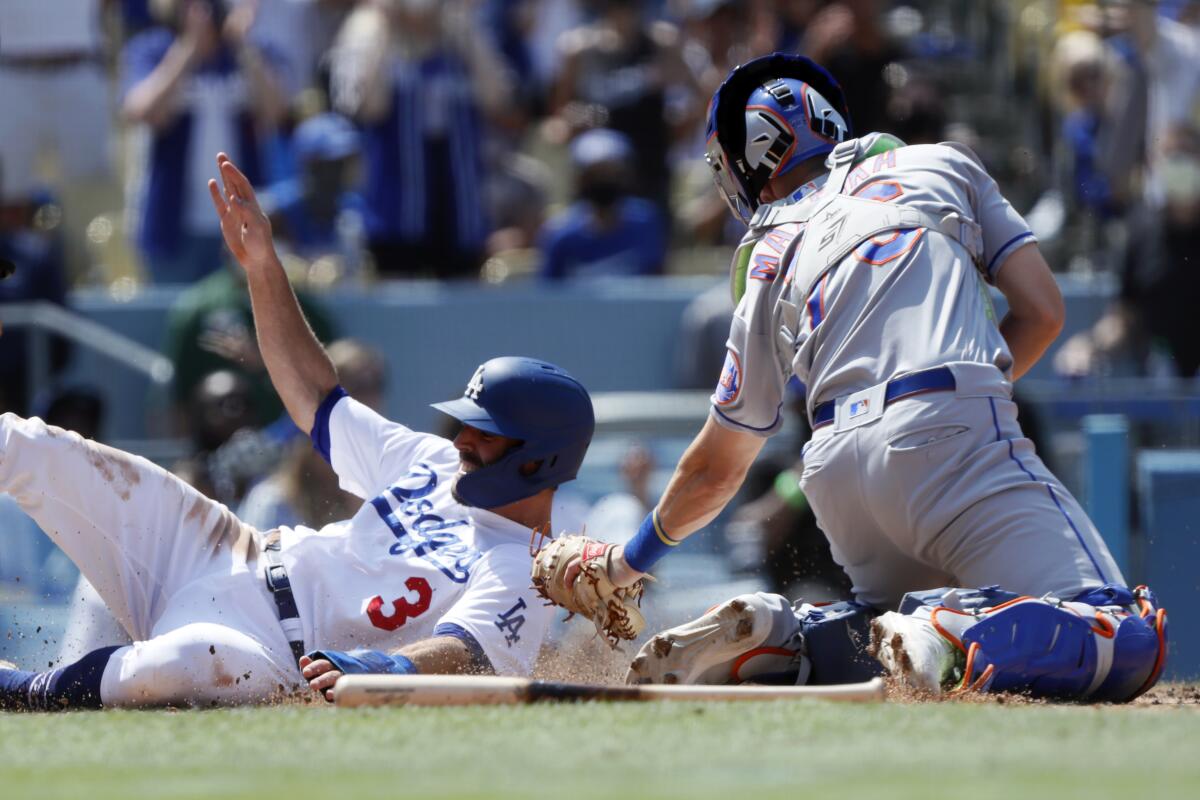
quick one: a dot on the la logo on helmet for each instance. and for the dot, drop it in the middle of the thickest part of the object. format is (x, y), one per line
(475, 387)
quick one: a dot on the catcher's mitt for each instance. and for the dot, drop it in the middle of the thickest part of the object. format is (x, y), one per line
(614, 609)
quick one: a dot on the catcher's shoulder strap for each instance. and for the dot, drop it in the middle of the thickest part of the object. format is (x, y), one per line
(838, 223)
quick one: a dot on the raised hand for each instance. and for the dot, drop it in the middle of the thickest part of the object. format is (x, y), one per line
(246, 229)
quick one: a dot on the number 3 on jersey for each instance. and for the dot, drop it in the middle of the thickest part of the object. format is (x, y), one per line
(402, 610)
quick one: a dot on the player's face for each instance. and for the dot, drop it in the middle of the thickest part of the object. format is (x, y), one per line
(478, 448)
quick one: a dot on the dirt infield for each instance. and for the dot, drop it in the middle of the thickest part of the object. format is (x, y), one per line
(1171, 694)
(588, 659)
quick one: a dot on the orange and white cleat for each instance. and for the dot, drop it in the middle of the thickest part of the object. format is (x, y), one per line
(723, 646)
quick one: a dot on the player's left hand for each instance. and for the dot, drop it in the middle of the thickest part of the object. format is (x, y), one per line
(577, 573)
(320, 674)
(245, 227)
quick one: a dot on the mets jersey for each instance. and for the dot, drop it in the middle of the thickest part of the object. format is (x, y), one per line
(412, 563)
(899, 302)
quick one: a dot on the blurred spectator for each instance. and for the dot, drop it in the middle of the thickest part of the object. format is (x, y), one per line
(1157, 90)
(1081, 59)
(717, 36)
(135, 16)
(606, 231)
(554, 18)
(1155, 315)
(211, 328)
(703, 331)
(916, 109)
(73, 408)
(38, 274)
(219, 407)
(55, 97)
(622, 511)
(422, 81)
(517, 197)
(300, 32)
(318, 214)
(615, 74)
(303, 489)
(510, 24)
(848, 38)
(195, 86)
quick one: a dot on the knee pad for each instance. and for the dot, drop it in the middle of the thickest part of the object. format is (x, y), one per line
(1062, 649)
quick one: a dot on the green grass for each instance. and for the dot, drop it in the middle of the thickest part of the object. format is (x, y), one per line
(793, 750)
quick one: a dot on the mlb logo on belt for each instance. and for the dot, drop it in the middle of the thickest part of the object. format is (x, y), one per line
(859, 407)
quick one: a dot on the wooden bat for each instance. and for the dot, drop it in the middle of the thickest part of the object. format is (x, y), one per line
(469, 690)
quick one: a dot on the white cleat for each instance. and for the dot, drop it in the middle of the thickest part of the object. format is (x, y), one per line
(704, 650)
(912, 651)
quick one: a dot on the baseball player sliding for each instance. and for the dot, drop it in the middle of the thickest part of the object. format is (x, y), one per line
(431, 575)
(864, 274)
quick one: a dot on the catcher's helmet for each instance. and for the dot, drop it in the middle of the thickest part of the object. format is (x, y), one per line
(533, 401)
(769, 115)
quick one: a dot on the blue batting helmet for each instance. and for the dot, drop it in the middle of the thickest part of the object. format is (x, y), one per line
(769, 115)
(533, 401)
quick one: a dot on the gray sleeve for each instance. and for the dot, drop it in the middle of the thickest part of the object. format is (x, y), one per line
(1004, 230)
(750, 392)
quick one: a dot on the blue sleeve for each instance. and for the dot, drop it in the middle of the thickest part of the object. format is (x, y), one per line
(365, 662)
(141, 55)
(320, 429)
(550, 243)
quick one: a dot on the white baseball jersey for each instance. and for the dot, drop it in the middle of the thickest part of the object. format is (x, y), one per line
(413, 562)
(186, 580)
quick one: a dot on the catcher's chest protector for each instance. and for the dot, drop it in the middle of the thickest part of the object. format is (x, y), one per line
(837, 223)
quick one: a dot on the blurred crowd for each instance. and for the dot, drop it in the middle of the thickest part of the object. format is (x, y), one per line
(560, 139)
(551, 140)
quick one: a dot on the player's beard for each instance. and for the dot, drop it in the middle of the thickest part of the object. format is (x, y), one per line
(464, 458)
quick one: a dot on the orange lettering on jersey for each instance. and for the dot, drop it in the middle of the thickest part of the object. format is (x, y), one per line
(855, 178)
(883, 161)
(778, 240)
(765, 267)
(880, 191)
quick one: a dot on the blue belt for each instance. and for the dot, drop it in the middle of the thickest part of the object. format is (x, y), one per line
(937, 379)
(281, 590)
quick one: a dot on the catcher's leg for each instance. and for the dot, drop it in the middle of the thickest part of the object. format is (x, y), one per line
(1109, 644)
(707, 649)
(761, 638)
(136, 531)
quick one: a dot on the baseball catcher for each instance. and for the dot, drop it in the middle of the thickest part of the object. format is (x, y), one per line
(865, 274)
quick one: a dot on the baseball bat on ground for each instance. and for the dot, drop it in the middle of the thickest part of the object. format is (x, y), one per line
(467, 690)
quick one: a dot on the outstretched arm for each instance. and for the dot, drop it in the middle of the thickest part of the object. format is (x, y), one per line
(441, 655)
(706, 479)
(298, 366)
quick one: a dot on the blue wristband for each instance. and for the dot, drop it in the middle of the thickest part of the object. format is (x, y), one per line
(649, 544)
(366, 662)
